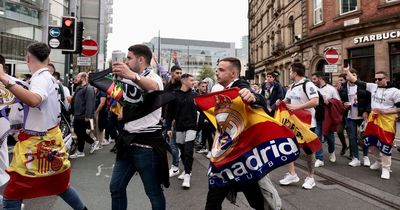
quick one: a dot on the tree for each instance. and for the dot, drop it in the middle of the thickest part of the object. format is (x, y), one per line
(205, 72)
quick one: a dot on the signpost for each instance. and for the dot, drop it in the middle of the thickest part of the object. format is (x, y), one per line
(331, 56)
(84, 61)
(89, 47)
(330, 68)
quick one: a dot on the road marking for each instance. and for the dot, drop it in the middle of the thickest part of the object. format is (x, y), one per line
(100, 168)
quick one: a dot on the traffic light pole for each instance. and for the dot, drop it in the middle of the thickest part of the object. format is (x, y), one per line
(66, 69)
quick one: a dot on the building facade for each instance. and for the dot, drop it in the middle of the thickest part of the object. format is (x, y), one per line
(275, 26)
(243, 54)
(192, 55)
(366, 33)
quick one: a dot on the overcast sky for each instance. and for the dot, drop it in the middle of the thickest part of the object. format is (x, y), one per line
(138, 21)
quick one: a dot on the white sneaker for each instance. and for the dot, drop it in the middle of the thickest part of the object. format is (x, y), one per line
(208, 155)
(332, 157)
(366, 161)
(99, 147)
(319, 163)
(186, 181)
(105, 142)
(385, 173)
(182, 176)
(77, 154)
(376, 166)
(203, 151)
(289, 179)
(93, 147)
(173, 171)
(355, 162)
(309, 183)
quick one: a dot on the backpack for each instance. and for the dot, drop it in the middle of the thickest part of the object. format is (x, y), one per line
(320, 108)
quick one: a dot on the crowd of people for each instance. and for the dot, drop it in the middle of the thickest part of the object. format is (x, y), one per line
(179, 127)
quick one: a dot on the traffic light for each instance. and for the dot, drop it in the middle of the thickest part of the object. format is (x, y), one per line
(68, 34)
(79, 37)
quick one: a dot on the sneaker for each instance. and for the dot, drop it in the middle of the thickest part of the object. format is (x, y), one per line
(173, 171)
(203, 151)
(385, 173)
(186, 181)
(208, 155)
(332, 157)
(366, 161)
(355, 162)
(289, 179)
(318, 163)
(376, 166)
(182, 176)
(77, 154)
(99, 147)
(309, 183)
(93, 147)
(105, 142)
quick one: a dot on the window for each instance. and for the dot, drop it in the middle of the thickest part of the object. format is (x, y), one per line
(291, 30)
(347, 6)
(363, 60)
(317, 11)
(395, 63)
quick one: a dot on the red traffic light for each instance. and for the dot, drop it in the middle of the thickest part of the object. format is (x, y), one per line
(68, 22)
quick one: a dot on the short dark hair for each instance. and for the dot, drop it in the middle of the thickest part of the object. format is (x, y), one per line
(57, 75)
(353, 71)
(343, 76)
(2, 61)
(382, 72)
(39, 50)
(234, 62)
(203, 82)
(318, 74)
(141, 50)
(185, 76)
(274, 74)
(299, 68)
(174, 68)
(52, 66)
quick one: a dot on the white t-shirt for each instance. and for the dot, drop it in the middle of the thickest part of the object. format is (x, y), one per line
(329, 92)
(150, 122)
(352, 94)
(383, 98)
(47, 114)
(296, 95)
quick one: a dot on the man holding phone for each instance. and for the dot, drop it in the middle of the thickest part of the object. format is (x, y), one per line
(141, 147)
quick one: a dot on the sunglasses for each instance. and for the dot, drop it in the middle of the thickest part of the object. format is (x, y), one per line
(379, 79)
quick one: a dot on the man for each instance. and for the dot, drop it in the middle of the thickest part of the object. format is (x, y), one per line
(40, 140)
(185, 118)
(340, 129)
(357, 102)
(385, 100)
(141, 147)
(272, 90)
(173, 85)
(328, 92)
(227, 73)
(204, 126)
(298, 99)
(51, 68)
(83, 103)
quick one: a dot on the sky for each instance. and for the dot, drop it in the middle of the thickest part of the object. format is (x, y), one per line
(138, 21)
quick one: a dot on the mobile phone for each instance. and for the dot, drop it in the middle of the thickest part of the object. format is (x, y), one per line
(117, 56)
(345, 63)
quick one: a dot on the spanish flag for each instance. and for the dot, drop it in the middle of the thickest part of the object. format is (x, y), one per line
(380, 131)
(299, 121)
(248, 143)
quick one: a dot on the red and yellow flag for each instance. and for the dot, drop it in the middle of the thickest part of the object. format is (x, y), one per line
(299, 121)
(248, 143)
(380, 131)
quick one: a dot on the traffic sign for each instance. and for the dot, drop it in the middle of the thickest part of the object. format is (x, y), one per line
(331, 56)
(54, 43)
(55, 32)
(84, 61)
(89, 47)
(330, 68)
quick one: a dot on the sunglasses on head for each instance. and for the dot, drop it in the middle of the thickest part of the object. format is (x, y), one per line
(379, 79)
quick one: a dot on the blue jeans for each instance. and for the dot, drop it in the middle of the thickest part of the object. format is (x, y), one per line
(70, 196)
(352, 126)
(330, 139)
(174, 148)
(148, 164)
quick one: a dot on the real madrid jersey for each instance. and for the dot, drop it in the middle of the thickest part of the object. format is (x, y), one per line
(383, 97)
(296, 95)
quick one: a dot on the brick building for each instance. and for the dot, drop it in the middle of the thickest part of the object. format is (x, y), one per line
(367, 33)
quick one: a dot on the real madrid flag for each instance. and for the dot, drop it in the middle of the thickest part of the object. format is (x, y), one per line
(248, 143)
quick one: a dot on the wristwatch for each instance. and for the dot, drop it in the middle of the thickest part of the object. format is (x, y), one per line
(10, 84)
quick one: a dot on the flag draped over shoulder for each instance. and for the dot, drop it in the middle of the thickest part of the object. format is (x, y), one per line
(299, 121)
(136, 103)
(380, 131)
(248, 143)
